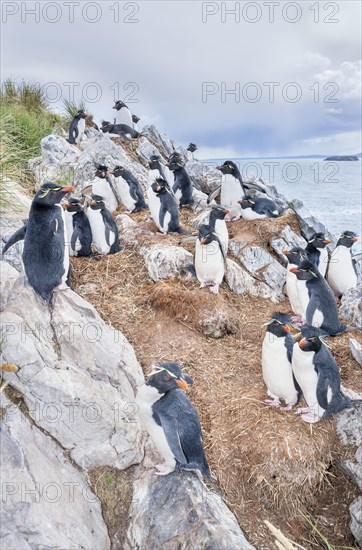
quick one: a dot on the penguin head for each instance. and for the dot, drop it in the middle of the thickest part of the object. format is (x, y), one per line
(154, 162)
(279, 324)
(159, 186)
(135, 118)
(192, 147)
(206, 235)
(97, 202)
(81, 114)
(347, 239)
(306, 271)
(51, 193)
(106, 126)
(310, 340)
(219, 211)
(175, 164)
(295, 255)
(246, 202)
(175, 157)
(229, 167)
(118, 105)
(101, 171)
(117, 171)
(73, 205)
(318, 240)
(166, 377)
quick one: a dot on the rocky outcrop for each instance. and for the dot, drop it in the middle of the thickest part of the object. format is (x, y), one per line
(351, 306)
(41, 489)
(308, 223)
(356, 350)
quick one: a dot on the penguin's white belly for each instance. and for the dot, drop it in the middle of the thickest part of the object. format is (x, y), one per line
(153, 175)
(98, 231)
(318, 318)
(166, 222)
(221, 231)
(277, 370)
(250, 215)
(303, 296)
(323, 261)
(124, 116)
(178, 195)
(169, 176)
(124, 194)
(209, 263)
(154, 205)
(341, 274)
(307, 378)
(68, 229)
(81, 128)
(101, 187)
(66, 248)
(231, 190)
(145, 398)
(293, 294)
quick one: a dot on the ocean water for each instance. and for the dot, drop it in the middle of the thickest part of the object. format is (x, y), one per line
(332, 191)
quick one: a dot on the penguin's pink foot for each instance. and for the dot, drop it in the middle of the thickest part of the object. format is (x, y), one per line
(309, 417)
(202, 285)
(297, 319)
(287, 408)
(164, 469)
(302, 410)
(214, 289)
(272, 402)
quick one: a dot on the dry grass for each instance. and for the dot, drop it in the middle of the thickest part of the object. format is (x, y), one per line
(269, 464)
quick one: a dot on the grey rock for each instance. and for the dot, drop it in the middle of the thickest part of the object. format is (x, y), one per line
(145, 150)
(351, 306)
(14, 255)
(308, 223)
(356, 350)
(166, 145)
(8, 276)
(199, 201)
(354, 468)
(167, 262)
(203, 177)
(349, 425)
(178, 511)
(58, 160)
(47, 501)
(240, 281)
(355, 511)
(78, 376)
(286, 240)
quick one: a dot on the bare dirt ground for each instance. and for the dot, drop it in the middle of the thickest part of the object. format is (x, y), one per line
(269, 464)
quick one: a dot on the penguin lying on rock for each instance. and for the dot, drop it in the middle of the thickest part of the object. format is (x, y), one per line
(277, 353)
(321, 310)
(104, 228)
(258, 208)
(164, 208)
(232, 185)
(171, 420)
(182, 187)
(45, 255)
(77, 127)
(209, 259)
(128, 189)
(79, 233)
(317, 373)
(341, 272)
(317, 252)
(121, 130)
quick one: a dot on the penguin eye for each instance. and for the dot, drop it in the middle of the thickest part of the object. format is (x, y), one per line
(168, 377)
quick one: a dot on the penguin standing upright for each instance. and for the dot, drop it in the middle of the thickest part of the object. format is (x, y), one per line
(341, 272)
(191, 149)
(276, 361)
(163, 207)
(209, 260)
(317, 373)
(216, 220)
(295, 255)
(317, 252)
(258, 208)
(182, 186)
(159, 170)
(135, 120)
(321, 310)
(103, 187)
(129, 189)
(79, 233)
(77, 127)
(46, 253)
(232, 187)
(171, 420)
(104, 228)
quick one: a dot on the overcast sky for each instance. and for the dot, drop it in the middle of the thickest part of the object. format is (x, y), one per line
(296, 85)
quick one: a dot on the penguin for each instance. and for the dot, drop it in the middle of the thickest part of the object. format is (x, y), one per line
(317, 252)
(321, 310)
(79, 233)
(277, 351)
(215, 218)
(232, 186)
(182, 186)
(176, 157)
(123, 115)
(209, 259)
(19, 235)
(77, 127)
(341, 273)
(46, 252)
(191, 148)
(135, 120)
(258, 208)
(164, 208)
(121, 130)
(296, 288)
(103, 187)
(159, 170)
(172, 421)
(128, 189)
(317, 373)
(104, 228)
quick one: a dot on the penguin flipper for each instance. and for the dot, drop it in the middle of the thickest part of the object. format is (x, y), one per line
(75, 235)
(19, 235)
(170, 427)
(311, 308)
(109, 225)
(214, 194)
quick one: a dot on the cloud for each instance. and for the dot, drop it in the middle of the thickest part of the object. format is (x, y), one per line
(348, 78)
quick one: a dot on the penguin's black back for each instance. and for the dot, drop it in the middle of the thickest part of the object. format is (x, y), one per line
(135, 189)
(169, 204)
(82, 227)
(322, 297)
(183, 182)
(265, 206)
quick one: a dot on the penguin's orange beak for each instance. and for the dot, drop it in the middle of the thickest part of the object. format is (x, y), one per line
(65, 204)
(302, 342)
(354, 239)
(68, 188)
(285, 252)
(287, 328)
(227, 211)
(202, 240)
(327, 241)
(92, 203)
(182, 384)
(218, 168)
(294, 270)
